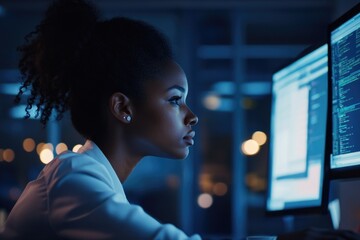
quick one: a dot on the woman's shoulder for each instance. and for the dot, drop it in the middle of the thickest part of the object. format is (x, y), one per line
(70, 160)
(72, 163)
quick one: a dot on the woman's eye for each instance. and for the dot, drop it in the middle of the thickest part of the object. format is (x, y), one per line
(175, 100)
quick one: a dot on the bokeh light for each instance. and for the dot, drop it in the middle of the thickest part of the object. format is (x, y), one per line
(48, 146)
(220, 189)
(255, 182)
(61, 147)
(46, 155)
(29, 144)
(205, 182)
(211, 102)
(250, 147)
(76, 147)
(39, 147)
(8, 155)
(205, 200)
(260, 137)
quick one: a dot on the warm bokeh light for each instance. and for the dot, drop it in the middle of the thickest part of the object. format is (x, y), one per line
(76, 147)
(48, 146)
(61, 147)
(39, 147)
(29, 144)
(250, 147)
(255, 182)
(259, 137)
(211, 102)
(8, 155)
(205, 200)
(220, 189)
(46, 155)
(205, 182)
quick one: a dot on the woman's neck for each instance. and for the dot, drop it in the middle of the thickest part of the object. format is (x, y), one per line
(119, 156)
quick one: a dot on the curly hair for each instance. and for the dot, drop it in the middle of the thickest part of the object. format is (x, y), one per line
(74, 61)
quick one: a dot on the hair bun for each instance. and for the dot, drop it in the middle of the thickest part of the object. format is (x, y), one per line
(70, 15)
(51, 51)
(68, 22)
(63, 33)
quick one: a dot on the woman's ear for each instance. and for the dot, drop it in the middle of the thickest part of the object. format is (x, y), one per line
(120, 107)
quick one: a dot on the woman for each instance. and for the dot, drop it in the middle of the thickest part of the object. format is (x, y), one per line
(126, 96)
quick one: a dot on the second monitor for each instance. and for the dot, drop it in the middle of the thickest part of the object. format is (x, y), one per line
(298, 135)
(344, 75)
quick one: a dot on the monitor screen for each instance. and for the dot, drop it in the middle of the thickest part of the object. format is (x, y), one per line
(298, 134)
(344, 75)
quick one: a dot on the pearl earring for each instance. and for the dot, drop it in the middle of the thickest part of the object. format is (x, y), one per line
(127, 118)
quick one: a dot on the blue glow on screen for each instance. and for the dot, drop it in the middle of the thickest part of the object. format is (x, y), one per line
(298, 133)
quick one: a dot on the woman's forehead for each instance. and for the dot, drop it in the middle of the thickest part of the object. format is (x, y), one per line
(173, 77)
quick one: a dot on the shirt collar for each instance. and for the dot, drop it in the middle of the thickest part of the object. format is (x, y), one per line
(92, 150)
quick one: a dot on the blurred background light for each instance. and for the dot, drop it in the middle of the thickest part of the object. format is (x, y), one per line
(220, 99)
(8, 155)
(255, 182)
(205, 183)
(48, 146)
(260, 137)
(205, 200)
(46, 155)
(211, 102)
(76, 147)
(220, 189)
(250, 147)
(216, 103)
(256, 88)
(19, 111)
(39, 147)
(61, 147)
(248, 88)
(10, 88)
(29, 144)
(224, 88)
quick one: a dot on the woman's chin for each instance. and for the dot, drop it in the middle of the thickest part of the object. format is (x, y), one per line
(183, 154)
(180, 155)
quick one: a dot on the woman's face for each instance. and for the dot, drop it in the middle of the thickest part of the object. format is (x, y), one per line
(162, 124)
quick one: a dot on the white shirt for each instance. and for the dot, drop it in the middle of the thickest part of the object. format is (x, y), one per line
(79, 196)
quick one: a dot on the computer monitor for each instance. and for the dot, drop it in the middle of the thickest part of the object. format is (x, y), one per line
(344, 78)
(298, 135)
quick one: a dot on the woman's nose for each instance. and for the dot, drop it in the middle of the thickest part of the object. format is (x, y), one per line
(191, 119)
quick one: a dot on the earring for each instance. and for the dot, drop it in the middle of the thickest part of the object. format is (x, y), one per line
(127, 118)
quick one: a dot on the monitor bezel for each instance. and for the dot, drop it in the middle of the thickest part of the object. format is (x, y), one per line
(322, 208)
(349, 172)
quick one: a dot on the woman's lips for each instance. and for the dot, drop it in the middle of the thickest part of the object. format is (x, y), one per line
(189, 138)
